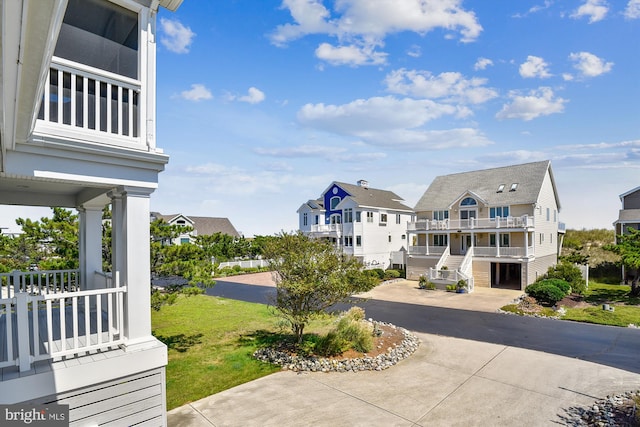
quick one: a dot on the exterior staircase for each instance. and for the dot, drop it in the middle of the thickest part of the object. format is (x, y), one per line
(453, 262)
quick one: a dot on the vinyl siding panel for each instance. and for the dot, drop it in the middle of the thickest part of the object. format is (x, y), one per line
(419, 266)
(631, 201)
(482, 274)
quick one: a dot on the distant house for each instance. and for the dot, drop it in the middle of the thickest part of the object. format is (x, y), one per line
(368, 223)
(628, 217)
(495, 228)
(202, 226)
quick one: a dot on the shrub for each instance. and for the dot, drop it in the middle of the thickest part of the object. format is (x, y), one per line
(451, 288)
(569, 273)
(422, 282)
(350, 332)
(330, 345)
(391, 274)
(379, 272)
(544, 292)
(563, 285)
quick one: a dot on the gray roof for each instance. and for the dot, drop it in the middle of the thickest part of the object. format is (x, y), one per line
(627, 215)
(204, 225)
(446, 189)
(366, 196)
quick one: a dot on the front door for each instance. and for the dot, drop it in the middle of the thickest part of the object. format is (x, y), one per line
(465, 243)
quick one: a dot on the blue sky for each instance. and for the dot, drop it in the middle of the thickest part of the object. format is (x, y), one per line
(262, 104)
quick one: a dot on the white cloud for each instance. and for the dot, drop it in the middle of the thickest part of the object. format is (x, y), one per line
(449, 86)
(534, 66)
(350, 55)
(540, 102)
(175, 36)
(415, 51)
(334, 154)
(596, 10)
(534, 9)
(482, 64)
(362, 25)
(589, 65)
(254, 96)
(422, 140)
(372, 115)
(632, 10)
(197, 92)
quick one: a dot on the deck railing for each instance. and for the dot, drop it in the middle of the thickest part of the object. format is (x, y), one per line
(511, 222)
(326, 228)
(91, 101)
(53, 322)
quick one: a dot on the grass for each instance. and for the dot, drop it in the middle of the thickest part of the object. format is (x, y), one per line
(210, 343)
(626, 309)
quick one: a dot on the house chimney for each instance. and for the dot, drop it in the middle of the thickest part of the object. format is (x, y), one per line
(363, 183)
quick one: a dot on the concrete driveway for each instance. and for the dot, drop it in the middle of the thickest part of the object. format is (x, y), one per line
(446, 382)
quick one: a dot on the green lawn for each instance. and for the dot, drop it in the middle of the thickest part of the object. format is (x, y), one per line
(210, 344)
(626, 310)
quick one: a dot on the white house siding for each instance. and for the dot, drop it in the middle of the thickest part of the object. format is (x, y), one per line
(126, 401)
(536, 268)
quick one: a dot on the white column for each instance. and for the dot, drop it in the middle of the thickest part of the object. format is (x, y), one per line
(90, 244)
(130, 254)
(497, 244)
(526, 244)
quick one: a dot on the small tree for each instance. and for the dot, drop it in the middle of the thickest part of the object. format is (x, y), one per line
(311, 276)
(628, 247)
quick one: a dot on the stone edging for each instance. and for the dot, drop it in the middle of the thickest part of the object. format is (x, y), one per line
(383, 361)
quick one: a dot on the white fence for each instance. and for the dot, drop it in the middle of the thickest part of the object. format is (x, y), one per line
(39, 322)
(245, 264)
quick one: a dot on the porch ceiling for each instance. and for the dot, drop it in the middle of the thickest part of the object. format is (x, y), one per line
(37, 192)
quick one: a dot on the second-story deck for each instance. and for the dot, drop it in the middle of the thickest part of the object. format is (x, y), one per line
(89, 104)
(514, 223)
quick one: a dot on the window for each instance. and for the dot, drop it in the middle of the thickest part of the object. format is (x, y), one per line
(514, 186)
(335, 219)
(541, 238)
(317, 220)
(550, 237)
(500, 188)
(305, 218)
(404, 237)
(501, 211)
(440, 240)
(348, 241)
(555, 215)
(469, 201)
(358, 240)
(334, 202)
(358, 216)
(181, 222)
(348, 215)
(548, 214)
(504, 240)
(398, 218)
(100, 34)
(440, 215)
(184, 240)
(383, 218)
(369, 216)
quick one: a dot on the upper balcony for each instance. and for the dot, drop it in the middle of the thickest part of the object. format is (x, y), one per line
(92, 105)
(512, 223)
(327, 229)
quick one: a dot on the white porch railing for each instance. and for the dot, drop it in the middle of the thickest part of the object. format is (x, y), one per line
(427, 250)
(245, 264)
(503, 251)
(92, 101)
(326, 228)
(511, 222)
(38, 282)
(49, 323)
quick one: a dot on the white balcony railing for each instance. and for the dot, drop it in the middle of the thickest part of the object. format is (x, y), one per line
(93, 103)
(511, 222)
(39, 322)
(326, 228)
(424, 250)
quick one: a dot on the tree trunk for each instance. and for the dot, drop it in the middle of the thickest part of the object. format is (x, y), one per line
(635, 289)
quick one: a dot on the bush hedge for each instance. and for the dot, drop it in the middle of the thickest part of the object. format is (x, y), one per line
(548, 291)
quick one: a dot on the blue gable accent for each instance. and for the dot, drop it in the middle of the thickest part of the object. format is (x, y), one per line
(333, 191)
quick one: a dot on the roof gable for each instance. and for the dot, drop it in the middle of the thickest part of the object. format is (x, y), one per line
(372, 197)
(486, 184)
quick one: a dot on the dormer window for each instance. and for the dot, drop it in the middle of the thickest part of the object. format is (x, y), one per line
(500, 188)
(100, 34)
(514, 186)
